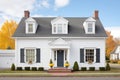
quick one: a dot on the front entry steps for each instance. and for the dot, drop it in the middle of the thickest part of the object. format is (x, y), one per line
(59, 70)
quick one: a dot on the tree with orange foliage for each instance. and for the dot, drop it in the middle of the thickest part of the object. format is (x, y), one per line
(6, 32)
(110, 44)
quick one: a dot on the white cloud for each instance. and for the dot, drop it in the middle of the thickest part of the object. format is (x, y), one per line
(115, 31)
(41, 4)
(61, 3)
(45, 4)
(15, 7)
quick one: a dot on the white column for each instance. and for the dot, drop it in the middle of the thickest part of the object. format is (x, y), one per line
(68, 54)
(50, 53)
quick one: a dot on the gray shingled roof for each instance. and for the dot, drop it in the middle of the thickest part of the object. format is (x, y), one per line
(44, 29)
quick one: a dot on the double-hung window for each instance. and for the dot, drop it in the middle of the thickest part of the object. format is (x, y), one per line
(30, 28)
(90, 27)
(59, 29)
(30, 55)
(89, 55)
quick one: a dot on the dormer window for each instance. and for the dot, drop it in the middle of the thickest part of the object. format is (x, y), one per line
(31, 26)
(89, 26)
(60, 30)
(59, 26)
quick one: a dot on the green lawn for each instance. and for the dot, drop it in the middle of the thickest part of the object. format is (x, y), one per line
(112, 72)
(9, 71)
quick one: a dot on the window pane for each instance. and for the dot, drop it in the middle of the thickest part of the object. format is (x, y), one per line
(30, 55)
(30, 27)
(89, 55)
(55, 55)
(65, 54)
(59, 28)
(90, 28)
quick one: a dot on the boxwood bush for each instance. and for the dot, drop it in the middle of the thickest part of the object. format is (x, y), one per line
(19, 68)
(34, 69)
(108, 67)
(75, 66)
(91, 68)
(102, 69)
(83, 68)
(40, 69)
(27, 68)
(13, 67)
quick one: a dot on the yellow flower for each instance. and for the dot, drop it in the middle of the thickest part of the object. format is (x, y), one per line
(66, 65)
(51, 65)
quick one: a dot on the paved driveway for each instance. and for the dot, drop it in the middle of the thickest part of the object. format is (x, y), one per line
(59, 78)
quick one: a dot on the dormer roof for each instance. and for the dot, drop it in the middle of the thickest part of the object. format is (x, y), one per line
(59, 19)
(30, 19)
(90, 19)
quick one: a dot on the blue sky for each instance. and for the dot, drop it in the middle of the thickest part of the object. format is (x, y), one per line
(109, 11)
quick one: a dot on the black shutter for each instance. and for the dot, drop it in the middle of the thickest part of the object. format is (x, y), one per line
(81, 55)
(22, 55)
(37, 55)
(97, 55)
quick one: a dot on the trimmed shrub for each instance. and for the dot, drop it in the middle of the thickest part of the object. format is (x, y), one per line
(27, 68)
(108, 67)
(83, 68)
(108, 61)
(76, 66)
(102, 69)
(40, 69)
(9, 48)
(34, 69)
(13, 67)
(19, 68)
(91, 68)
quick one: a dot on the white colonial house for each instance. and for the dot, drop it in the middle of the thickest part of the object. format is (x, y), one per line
(39, 39)
(115, 55)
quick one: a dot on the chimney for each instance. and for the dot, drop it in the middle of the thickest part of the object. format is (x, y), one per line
(96, 14)
(26, 14)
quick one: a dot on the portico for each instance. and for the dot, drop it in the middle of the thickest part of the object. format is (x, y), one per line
(60, 51)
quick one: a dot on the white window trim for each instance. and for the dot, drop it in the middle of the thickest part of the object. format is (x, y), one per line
(35, 25)
(32, 27)
(86, 27)
(63, 26)
(94, 55)
(25, 55)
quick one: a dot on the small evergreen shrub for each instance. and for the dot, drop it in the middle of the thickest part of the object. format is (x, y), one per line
(91, 68)
(108, 67)
(102, 69)
(40, 69)
(83, 68)
(34, 68)
(76, 66)
(9, 48)
(13, 67)
(27, 68)
(19, 68)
